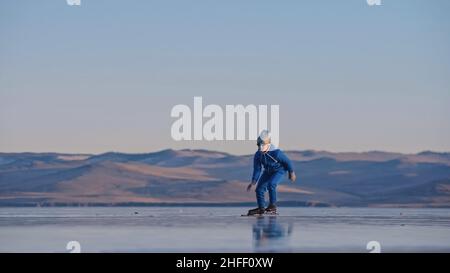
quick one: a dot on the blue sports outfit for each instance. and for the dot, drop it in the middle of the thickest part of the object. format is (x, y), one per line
(275, 164)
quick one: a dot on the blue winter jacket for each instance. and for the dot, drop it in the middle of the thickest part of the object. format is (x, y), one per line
(273, 161)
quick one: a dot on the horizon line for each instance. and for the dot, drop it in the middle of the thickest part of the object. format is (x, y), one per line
(228, 153)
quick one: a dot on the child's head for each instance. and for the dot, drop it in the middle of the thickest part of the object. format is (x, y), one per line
(263, 138)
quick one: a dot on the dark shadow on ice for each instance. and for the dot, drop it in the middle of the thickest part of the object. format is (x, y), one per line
(270, 235)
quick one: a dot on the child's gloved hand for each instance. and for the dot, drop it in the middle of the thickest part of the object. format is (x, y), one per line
(292, 176)
(249, 187)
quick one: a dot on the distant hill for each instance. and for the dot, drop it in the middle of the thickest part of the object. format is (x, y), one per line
(199, 177)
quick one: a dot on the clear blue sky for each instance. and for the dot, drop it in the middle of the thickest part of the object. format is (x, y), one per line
(104, 76)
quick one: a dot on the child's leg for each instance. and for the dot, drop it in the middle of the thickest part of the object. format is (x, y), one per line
(272, 186)
(261, 189)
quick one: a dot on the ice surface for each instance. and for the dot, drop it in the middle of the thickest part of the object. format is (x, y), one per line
(222, 229)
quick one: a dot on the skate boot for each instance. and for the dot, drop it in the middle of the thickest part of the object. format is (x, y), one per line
(256, 211)
(271, 209)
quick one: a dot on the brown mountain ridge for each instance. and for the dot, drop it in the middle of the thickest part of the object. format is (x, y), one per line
(202, 177)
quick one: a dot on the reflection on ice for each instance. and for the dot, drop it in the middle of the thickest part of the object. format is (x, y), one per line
(270, 235)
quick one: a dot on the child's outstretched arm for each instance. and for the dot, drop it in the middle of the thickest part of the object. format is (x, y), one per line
(287, 164)
(257, 167)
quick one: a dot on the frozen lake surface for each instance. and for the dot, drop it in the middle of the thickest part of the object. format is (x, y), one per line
(222, 229)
